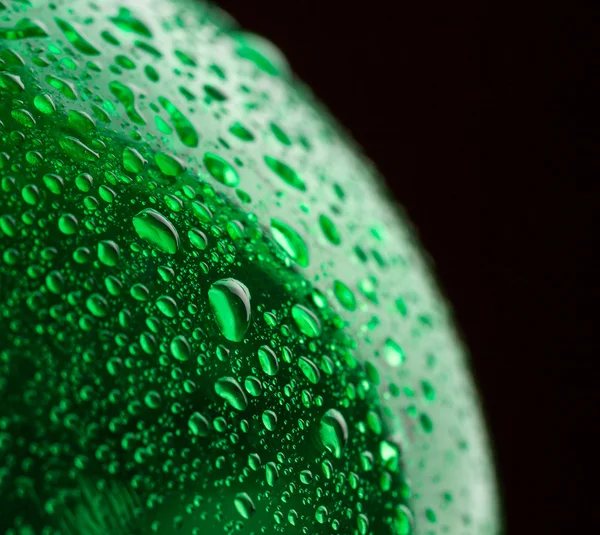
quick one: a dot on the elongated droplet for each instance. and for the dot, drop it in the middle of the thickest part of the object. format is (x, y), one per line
(310, 370)
(344, 295)
(198, 425)
(221, 170)
(76, 39)
(268, 360)
(290, 241)
(230, 303)
(285, 172)
(157, 230)
(306, 321)
(333, 432)
(244, 505)
(231, 391)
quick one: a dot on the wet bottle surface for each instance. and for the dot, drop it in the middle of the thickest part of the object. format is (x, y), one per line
(212, 317)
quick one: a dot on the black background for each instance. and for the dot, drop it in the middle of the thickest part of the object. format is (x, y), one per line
(470, 111)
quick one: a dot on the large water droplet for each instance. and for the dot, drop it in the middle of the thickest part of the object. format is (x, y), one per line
(333, 432)
(230, 303)
(231, 391)
(157, 230)
(290, 241)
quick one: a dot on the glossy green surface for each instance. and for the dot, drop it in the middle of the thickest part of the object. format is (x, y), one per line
(212, 317)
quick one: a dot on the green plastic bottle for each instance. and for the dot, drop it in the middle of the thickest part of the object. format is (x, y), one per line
(213, 318)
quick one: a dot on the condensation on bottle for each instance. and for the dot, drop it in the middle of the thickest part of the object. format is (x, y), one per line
(213, 316)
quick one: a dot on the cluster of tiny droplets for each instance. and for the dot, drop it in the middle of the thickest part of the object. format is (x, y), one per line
(212, 319)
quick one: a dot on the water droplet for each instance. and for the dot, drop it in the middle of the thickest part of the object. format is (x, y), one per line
(344, 295)
(167, 306)
(253, 386)
(285, 172)
(231, 391)
(23, 117)
(68, 224)
(269, 419)
(64, 87)
(185, 129)
(393, 353)
(263, 53)
(97, 305)
(306, 321)
(333, 432)
(281, 136)
(126, 97)
(241, 132)
(80, 121)
(221, 170)
(180, 348)
(321, 514)
(128, 23)
(77, 149)
(306, 476)
(271, 473)
(152, 399)
(11, 83)
(44, 104)
(330, 230)
(310, 370)
(76, 39)
(198, 425)
(230, 303)
(169, 165)
(403, 521)
(197, 238)
(244, 505)
(156, 230)
(268, 360)
(108, 253)
(290, 241)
